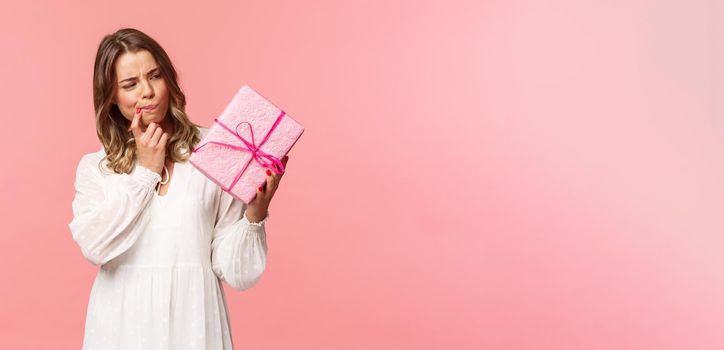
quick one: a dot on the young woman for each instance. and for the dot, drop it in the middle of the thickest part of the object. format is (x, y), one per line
(163, 234)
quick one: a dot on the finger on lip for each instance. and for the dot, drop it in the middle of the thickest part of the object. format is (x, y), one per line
(138, 113)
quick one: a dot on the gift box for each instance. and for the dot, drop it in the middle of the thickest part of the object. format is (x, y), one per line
(249, 137)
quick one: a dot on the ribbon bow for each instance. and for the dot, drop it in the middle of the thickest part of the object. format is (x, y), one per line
(256, 153)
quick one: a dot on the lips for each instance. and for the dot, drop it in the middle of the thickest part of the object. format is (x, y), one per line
(149, 107)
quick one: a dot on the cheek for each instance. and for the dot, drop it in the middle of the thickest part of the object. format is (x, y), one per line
(163, 90)
(163, 95)
(126, 102)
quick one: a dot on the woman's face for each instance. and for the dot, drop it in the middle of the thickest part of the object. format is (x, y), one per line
(140, 85)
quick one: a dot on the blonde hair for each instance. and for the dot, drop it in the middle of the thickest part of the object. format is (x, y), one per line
(112, 126)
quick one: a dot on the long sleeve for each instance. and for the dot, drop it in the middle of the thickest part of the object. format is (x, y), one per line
(238, 247)
(108, 210)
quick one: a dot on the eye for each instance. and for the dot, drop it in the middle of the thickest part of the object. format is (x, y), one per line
(130, 86)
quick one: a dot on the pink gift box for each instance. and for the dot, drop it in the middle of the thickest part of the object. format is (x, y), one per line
(235, 158)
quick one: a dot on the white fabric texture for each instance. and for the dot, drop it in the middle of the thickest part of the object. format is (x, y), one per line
(162, 258)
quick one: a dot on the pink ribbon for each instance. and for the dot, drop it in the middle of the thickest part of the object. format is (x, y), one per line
(256, 153)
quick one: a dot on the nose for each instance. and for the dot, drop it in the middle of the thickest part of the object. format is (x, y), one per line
(147, 89)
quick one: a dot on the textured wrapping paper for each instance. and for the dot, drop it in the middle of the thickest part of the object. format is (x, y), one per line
(250, 136)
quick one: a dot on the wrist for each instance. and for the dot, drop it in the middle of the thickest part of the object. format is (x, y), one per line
(256, 216)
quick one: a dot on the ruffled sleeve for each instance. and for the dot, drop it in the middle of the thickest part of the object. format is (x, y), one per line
(108, 211)
(238, 246)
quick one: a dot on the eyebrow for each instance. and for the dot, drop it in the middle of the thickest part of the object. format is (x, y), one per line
(131, 78)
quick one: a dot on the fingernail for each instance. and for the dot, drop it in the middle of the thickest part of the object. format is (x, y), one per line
(268, 172)
(259, 188)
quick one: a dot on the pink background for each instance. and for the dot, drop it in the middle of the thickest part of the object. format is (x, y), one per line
(481, 174)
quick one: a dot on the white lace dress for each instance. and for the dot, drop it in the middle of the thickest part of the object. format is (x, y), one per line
(162, 258)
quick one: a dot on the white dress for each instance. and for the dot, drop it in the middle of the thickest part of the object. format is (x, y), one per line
(162, 258)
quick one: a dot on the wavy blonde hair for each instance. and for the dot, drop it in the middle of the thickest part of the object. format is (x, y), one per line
(112, 126)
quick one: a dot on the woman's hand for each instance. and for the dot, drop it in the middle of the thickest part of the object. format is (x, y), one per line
(150, 145)
(257, 208)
